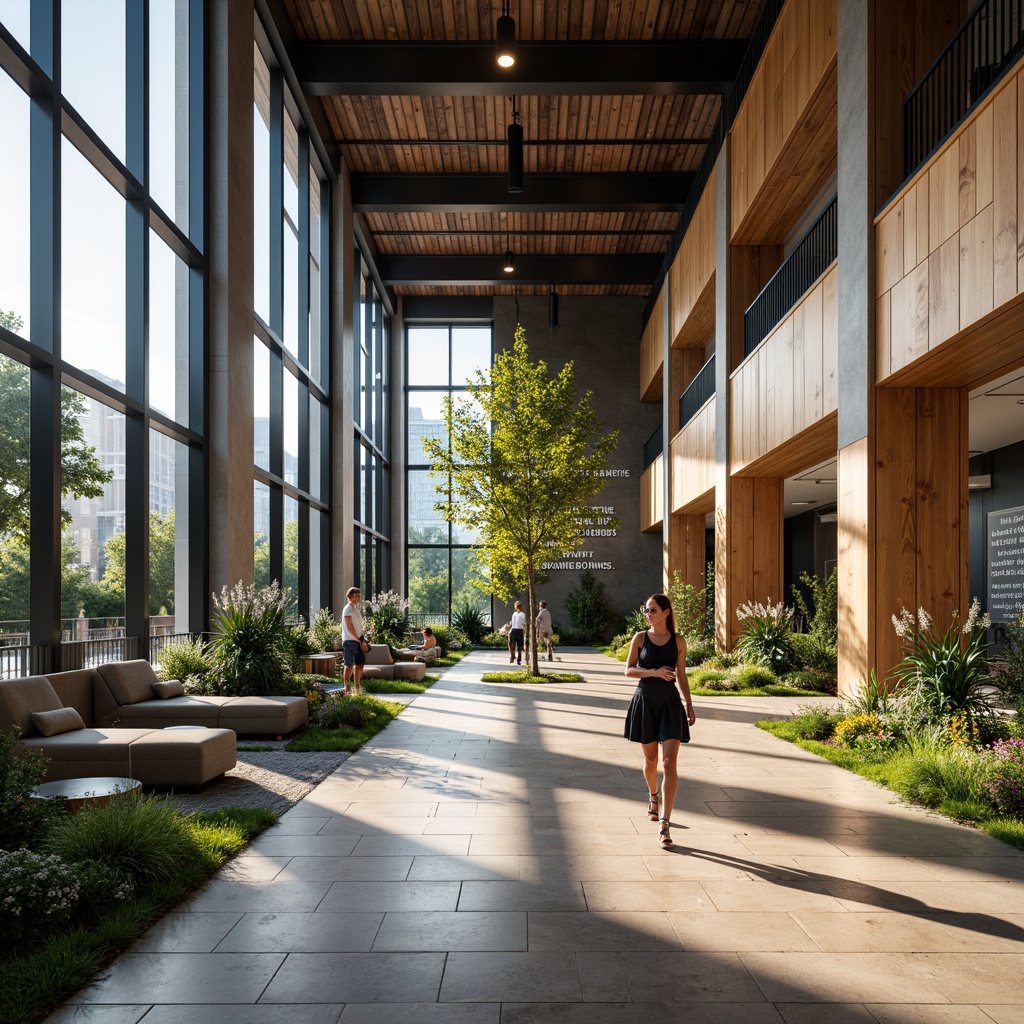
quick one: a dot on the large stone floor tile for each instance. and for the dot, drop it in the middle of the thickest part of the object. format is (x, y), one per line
(254, 866)
(422, 1013)
(500, 977)
(383, 846)
(967, 897)
(973, 977)
(867, 869)
(228, 895)
(321, 932)
(308, 1013)
(494, 931)
(797, 894)
(843, 977)
(639, 1013)
(646, 896)
(593, 931)
(187, 933)
(488, 895)
(78, 1013)
(346, 869)
(985, 933)
(484, 825)
(273, 845)
(441, 869)
(342, 825)
(929, 1013)
(372, 897)
(683, 861)
(684, 977)
(876, 932)
(184, 978)
(535, 869)
(1010, 1013)
(298, 826)
(833, 1013)
(357, 978)
(740, 931)
(976, 869)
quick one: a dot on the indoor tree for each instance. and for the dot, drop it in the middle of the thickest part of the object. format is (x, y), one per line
(521, 462)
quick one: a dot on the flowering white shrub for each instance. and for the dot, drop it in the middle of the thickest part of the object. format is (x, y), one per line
(388, 618)
(36, 890)
(773, 613)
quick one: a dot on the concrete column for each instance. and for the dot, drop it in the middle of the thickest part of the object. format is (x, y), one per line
(231, 293)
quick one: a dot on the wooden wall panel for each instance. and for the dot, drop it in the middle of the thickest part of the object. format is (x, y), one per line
(652, 498)
(687, 552)
(692, 275)
(784, 136)
(790, 383)
(856, 566)
(651, 354)
(693, 463)
(950, 256)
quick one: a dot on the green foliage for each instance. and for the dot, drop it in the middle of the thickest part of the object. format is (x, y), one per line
(387, 621)
(450, 638)
(161, 564)
(470, 620)
(688, 605)
(261, 563)
(24, 822)
(140, 838)
(709, 599)
(496, 640)
(929, 771)
(700, 650)
(635, 622)
(588, 609)
(296, 644)
(187, 660)
(755, 675)
(848, 729)
(326, 631)
(1003, 767)
(821, 613)
(767, 637)
(815, 723)
(249, 633)
(81, 474)
(811, 652)
(528, 677)
(702, 678)
(949, 668)
(808, 679)
(347, 738)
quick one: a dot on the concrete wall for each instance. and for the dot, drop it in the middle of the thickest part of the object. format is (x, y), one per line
(600, 336)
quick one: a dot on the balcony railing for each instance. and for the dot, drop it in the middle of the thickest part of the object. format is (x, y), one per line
(987, 44)
(813, 255)
(23, 659)
(652, 447)
(697, 392)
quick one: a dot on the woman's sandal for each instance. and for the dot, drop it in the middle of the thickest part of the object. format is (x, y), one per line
(652, 806)
(664, 838)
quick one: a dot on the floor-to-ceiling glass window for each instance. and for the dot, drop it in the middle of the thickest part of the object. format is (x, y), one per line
(290, 380)
(440, 360)
(372, 440)
(102, 270)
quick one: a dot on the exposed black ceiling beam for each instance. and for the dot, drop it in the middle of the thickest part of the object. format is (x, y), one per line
(524, 233)
(685, 67)
(452, 143)
(488, 193)
(531, 270)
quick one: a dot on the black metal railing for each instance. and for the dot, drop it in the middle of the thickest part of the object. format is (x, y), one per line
(813, 255)
(89, 653)
(652, 447)
(24, 659)
(730, 106)
(988, 43)
(697, 392)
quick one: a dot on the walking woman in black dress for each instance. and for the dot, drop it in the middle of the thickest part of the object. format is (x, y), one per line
(657, 658)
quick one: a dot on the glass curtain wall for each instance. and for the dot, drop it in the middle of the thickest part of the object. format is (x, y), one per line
(440, 361)
(291, 368)
(372, 439)
(101, 206)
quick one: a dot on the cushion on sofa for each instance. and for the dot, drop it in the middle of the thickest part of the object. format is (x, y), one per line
(129, 682)
(53, 723)
(379, 654)
(169, 688)
(20, 697)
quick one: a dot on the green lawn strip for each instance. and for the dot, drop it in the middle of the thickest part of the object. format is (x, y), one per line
(522, 677)
(396, 685)
(1009, 830)
(346, 738)
(758, 691)
(33, 982)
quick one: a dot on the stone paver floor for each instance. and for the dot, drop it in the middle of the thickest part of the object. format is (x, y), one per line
(488, 860)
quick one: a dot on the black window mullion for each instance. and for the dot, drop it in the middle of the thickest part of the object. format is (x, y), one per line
(303, 261)
(276, 203)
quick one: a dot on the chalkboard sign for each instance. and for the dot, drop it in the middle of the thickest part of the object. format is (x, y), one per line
(1005, 563)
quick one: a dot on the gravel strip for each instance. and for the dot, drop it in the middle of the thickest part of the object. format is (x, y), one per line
(277, 780)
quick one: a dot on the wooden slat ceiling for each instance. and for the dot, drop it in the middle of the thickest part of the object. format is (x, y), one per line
(437, 131)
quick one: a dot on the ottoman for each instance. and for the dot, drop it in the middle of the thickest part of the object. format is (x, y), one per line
(273, 715)
(187, 757)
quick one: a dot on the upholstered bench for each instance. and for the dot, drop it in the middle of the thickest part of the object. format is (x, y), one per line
(380, 665)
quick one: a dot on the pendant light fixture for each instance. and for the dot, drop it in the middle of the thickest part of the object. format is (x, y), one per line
(505, 37)
(510, 256)
(553, 308)
(515, 152)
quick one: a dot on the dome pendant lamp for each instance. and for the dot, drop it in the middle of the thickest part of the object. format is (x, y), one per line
(505, 38)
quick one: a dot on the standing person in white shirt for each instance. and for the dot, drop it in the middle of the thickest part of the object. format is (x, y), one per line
(351, 633)
(517, 635)
(544, 629)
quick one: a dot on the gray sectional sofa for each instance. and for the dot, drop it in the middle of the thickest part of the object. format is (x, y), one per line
(120, 726)
(380, 665)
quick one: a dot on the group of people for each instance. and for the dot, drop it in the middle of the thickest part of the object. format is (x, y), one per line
(517, 632)
(660, 711)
